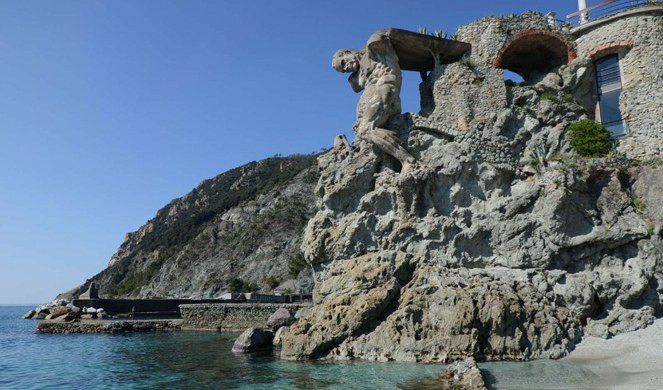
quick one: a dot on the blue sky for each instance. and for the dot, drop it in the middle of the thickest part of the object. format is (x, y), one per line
(109, 109)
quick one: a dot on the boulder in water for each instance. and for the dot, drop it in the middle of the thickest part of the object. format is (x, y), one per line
(29, 315)
(253, 339)
(281, 317)
(464, 374)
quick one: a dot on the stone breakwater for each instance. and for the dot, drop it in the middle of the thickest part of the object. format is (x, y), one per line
(62, 310)
(231, 316)
(108, 326)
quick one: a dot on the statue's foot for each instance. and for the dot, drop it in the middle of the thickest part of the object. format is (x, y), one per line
(407, 168)
(409, 165)
(415, 170)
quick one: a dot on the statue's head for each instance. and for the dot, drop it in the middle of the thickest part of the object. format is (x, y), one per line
(346, 61)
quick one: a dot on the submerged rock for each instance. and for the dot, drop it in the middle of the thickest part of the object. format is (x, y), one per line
(252, 340)
(462, 375)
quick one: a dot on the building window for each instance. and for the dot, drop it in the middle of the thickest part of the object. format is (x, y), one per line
(609, 81)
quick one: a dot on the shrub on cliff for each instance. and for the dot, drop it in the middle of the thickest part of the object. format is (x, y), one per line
(589, 138)
(296, 264)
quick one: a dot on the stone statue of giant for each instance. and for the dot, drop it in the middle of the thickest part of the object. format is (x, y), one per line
(376, 70)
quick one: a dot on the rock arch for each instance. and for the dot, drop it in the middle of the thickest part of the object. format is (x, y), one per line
(535, 53)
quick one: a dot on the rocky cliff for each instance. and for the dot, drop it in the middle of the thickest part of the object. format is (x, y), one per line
(499, 243)
(238, 231)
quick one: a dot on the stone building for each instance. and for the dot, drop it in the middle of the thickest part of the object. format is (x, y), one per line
(613, 63)
(627, 50)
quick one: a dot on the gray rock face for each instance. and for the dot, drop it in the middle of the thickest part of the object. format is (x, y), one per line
(281, 317)
(279, 334)
(498, 243)
(253, 340)
(301, 312)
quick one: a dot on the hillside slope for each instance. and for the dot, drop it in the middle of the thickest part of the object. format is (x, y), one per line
(238, 231)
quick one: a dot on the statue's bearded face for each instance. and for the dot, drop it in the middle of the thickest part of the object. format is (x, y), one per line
(346, 61)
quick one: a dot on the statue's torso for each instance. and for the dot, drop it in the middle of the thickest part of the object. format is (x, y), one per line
(380, 71)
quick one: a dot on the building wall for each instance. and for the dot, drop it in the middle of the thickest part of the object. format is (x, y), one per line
(459, 97)
(471, 91)
(641, 101)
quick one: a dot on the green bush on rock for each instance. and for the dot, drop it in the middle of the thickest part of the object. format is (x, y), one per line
(589, 138)
(296, 264)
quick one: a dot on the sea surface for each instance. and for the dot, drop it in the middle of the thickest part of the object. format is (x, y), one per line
(202, 360)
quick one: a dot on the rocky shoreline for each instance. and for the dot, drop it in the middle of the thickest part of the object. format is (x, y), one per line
(62, 310)
(487, 235)
(501, 241)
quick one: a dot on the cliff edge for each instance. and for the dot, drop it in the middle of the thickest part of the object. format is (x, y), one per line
(499, 242)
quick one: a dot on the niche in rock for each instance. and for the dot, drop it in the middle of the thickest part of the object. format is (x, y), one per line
(533, 54)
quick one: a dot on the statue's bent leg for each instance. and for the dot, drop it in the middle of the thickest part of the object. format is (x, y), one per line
(375, 108)
(390, 144)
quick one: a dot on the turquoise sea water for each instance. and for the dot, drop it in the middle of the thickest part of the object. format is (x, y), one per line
(200, 360)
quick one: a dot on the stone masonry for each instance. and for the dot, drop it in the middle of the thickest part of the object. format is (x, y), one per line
(638, 37)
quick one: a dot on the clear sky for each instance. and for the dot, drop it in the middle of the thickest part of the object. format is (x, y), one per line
(110, 109)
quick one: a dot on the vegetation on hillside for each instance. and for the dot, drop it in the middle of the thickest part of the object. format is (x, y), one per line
(182, 220)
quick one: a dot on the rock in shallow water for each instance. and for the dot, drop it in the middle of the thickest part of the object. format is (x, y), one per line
(281, 317)
(252, 340)
(355, 296)
(279, 334)
(29, 315)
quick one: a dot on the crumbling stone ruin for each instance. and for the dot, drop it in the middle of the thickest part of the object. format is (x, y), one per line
(501, 243)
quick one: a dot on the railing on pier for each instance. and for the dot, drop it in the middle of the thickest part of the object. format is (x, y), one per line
(609, 8)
